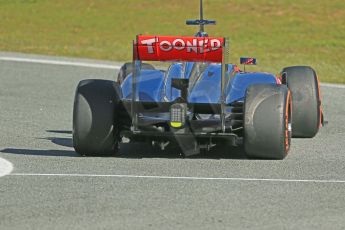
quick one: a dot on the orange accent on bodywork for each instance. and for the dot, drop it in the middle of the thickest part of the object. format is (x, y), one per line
(236, 68)
(279, 78)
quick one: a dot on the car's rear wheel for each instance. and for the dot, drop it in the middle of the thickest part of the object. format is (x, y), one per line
(267, 121)
(95, 117)
(306, 101)
(127, 69)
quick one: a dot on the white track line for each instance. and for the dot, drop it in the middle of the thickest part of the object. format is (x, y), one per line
(177, 177)
(100, 66)
(63, 63)
(330, 85)
(6, 167)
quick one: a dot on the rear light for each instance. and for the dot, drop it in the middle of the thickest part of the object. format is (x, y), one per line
(178, 114)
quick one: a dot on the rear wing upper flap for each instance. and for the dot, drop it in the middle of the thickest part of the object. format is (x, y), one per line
(179, 48)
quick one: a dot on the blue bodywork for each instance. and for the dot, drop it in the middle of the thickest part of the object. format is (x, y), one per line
(204, 86)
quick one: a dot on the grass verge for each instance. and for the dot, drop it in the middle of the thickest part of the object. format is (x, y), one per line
(278, 33)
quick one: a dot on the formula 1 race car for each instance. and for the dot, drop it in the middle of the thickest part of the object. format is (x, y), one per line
(200, 101)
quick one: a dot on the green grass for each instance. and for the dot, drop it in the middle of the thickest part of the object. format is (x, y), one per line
(278, 33)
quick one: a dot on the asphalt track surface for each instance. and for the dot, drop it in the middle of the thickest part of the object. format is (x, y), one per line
(51, 187)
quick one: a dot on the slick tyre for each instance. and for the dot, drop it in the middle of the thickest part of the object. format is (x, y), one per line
(95, 117)
(306, 101)
(127, 69)
(267, 121)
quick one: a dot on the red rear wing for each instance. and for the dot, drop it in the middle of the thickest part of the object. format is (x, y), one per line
(179, 48)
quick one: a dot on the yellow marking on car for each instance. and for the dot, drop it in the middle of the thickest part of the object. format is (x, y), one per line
(176, 124)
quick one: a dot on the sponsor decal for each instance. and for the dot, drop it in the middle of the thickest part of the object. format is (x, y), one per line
(196, 46)
(166, 48)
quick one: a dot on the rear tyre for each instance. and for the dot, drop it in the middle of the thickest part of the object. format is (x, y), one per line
(95, 117)
(267, 121)
(306, 103)
(127, 69)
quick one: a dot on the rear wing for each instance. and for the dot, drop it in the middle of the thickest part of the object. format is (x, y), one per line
(173, 48)
(178, 48)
